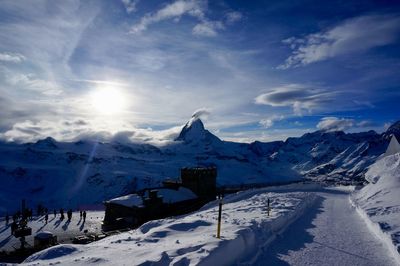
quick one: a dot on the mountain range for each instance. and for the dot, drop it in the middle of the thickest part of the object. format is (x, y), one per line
(71, 174)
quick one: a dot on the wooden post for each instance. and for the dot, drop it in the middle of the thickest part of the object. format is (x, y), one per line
(219, 218)
(268, 208)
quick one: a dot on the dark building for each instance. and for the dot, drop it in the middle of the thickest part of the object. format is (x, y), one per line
(201, 180)
(196, 187)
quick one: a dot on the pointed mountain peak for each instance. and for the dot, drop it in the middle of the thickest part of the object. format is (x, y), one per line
(194, 130)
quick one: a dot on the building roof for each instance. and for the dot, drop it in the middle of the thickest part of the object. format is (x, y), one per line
(168, 196)
(172, 195)
(131, 200)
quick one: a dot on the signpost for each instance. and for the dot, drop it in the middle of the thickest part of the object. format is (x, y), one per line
(219, 217)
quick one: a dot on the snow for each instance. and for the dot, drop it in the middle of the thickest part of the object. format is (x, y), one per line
(379, 201)
(132, 200)
(190, 239)
(172, 196)
(329, 233)
(394, 146)
(64, 230)
(168, 196)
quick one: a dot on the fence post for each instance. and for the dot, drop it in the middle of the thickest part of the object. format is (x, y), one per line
(268, 207)
(219, 218)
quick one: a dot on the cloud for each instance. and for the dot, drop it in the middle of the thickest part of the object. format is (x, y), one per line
(335, 124)
(269, 122)
(208, 28)
(130, 5)
(364, 103)
(79, 122)
(366, 123)
(170, 11)
(194, 8)
(30, 82)
(351, 36)
(301, 98)
(232, 17)
(202, 112)
(12, 57)
(32, 131)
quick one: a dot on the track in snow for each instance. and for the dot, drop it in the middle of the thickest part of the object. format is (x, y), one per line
(332, 233)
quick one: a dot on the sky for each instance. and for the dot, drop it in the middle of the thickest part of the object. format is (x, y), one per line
(137, 70)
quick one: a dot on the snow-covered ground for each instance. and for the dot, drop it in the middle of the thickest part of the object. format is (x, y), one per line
(379, 202)
(190, 239)
(330, 233)
(64, 230)
(308, 225)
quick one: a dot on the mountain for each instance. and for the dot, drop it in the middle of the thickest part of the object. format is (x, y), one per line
(194, 131)
(70, 174)
(394, 129)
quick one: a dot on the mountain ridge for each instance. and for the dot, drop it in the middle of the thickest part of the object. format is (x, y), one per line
(46, 171)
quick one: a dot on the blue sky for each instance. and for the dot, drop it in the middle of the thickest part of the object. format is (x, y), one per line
(254, 70)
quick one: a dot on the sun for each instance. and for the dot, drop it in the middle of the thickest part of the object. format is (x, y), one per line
(108, 101)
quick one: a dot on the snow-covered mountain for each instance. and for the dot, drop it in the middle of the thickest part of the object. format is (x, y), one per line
(85, 172)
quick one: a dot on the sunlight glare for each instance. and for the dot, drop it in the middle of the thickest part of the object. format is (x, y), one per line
(108, 101)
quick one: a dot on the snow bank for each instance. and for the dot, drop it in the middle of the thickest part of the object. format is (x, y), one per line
(190, 239)
(379, 202)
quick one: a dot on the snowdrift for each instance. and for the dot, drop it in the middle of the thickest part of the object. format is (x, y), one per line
(190, 239)
(379, 201)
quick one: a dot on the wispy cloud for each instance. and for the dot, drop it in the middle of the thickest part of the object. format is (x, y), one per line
(343, 124)
(300, 97)
(30, 81)
(335, 124)
(12, 57)
(233, 16)
(171, 11)
(130, 5)
(208, 28)
(202, 112)
(351, 36)
(102, 82)
(269, 122)
(31, 131)
(193, 8)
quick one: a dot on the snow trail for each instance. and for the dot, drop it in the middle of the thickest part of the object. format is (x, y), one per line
(331, 233)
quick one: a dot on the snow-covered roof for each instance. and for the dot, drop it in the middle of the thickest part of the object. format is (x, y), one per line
(172, 195)
(168, 195)
(132, 200)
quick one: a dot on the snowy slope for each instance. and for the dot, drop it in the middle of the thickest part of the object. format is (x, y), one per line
(190, 240)
(68, 174)
(379, 202)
